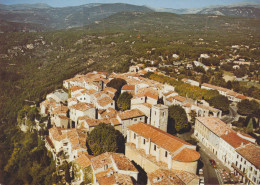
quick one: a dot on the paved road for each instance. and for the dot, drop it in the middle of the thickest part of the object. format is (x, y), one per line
(209, 172)
(231, 116)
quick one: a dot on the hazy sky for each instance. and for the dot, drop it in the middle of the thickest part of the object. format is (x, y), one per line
(153, 3)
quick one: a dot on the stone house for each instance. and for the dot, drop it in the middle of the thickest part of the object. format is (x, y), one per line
(152, 149)
(130, 117)
(79, 110)
(113, 168)
(166, 177)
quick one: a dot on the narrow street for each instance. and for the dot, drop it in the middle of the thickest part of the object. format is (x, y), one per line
(232, 116)
(209, 172)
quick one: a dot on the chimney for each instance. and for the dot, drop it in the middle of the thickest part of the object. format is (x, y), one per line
(242, 144)
(226, 132)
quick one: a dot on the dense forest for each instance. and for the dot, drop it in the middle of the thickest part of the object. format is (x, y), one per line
(34, 64)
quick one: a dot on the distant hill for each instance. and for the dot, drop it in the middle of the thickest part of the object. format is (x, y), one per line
(24, 6)
(63, 18)
(250, 10)
(6, 26)
(233, 11)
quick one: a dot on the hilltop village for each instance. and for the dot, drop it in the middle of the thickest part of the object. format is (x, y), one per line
(86, 101)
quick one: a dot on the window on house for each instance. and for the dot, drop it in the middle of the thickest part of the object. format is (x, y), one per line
(245, 162)
(135, 119)
(255, 172)
(163, 114)
(166, 153)
(134, 136)
(241, 159)
(105, 167)
(236, 163)
(237, 156)
(111, 103)
(251, 168)
(144, 141)
(154, 147)
(154, 113)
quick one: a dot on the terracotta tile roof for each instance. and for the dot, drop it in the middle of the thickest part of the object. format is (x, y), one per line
(82, 106)
(179, 98)
(232, 93)
(241, 96)
(187, 105)
(110, 89)
(187, 155)
(75, 137)
(185, 176)
(233, 139)
(168, 93)
(122, 162)
(101, 160)
(75, 88)
(83, 161)
(164, 177)
(215, 125)
(106, 177)
(105, 101)
(149, 92)
(59, 109)
(251, 152)
(185, 79)
(128, 87)
(215, 87)
(56, 133)
(130, 114)
(162, 139)
(64, 117)
(72, 99)
(115, 121)
(145, 104)
(108, 113)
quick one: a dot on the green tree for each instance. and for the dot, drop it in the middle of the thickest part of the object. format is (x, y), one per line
(67, 172)
(193, 116)
(246, 107)
(116, 83)
(103, 138)
(250, 126)
(124, 101)
(178, 120)
(229, 84)
(219, 102)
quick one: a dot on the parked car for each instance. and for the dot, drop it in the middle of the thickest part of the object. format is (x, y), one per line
(213, 163)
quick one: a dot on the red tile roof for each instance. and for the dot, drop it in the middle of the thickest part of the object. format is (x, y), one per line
(164, 177)
(130, 114)
(82, 106)
(233, 139)
(128, 87)
(179, 98)
(105, 101)
(215, 125)
(164, 140)
(83, 161)
(187, 155)
(251, 152)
